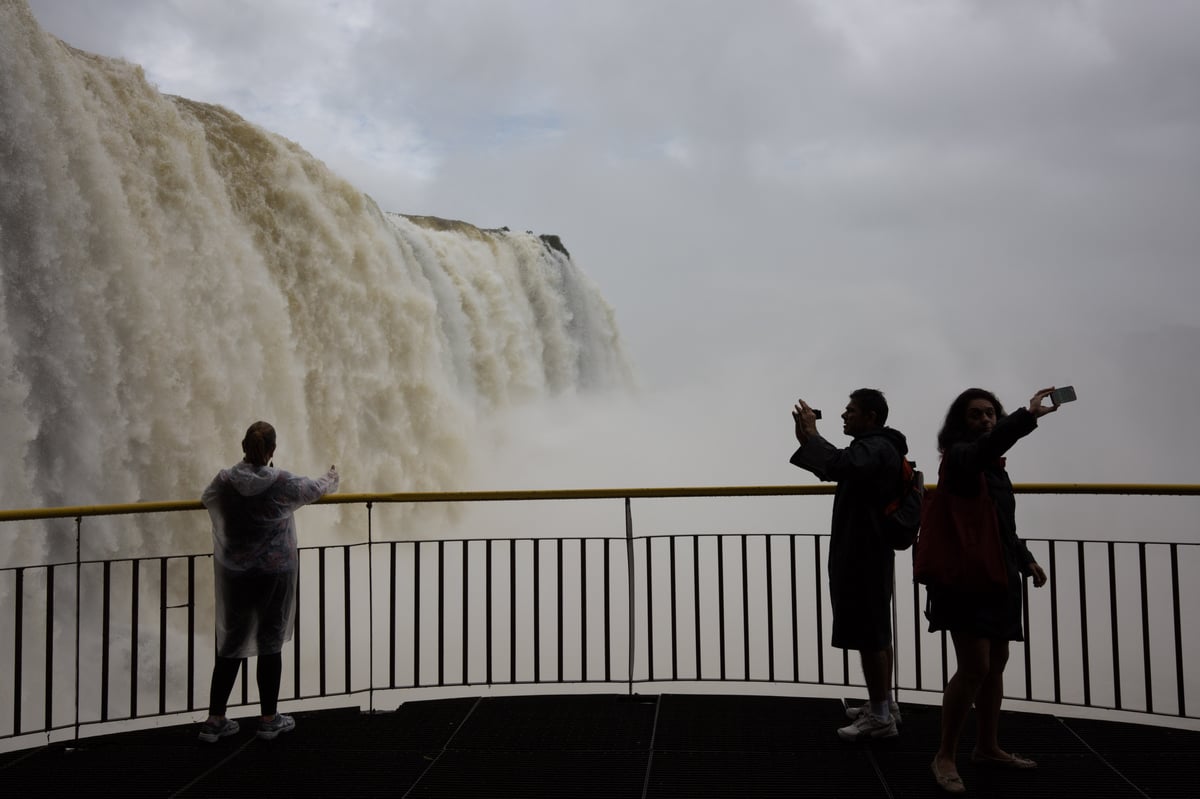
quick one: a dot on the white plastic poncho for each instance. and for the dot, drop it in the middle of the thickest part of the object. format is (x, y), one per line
(255, 552)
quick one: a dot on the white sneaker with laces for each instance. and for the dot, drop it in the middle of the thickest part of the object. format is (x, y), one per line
(858, 710)
(868, 725)
(210, 733)
(282, 722)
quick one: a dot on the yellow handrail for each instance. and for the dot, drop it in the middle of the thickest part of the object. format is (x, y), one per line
(1100, 489)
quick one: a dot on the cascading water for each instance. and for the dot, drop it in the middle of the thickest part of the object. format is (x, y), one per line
(169, 273)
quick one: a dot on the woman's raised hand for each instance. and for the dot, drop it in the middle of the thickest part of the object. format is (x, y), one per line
(1035, 403)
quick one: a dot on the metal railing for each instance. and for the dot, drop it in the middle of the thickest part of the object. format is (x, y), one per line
(89, 642)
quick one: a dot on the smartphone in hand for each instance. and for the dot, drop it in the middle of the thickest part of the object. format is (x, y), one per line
(1061, 395)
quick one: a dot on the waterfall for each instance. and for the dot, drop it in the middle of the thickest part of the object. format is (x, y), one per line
(169, 273)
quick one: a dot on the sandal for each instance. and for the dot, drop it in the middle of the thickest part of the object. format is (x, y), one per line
(950, 783)
(1012, 761)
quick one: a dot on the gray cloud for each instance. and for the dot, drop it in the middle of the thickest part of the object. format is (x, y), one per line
(778, 197)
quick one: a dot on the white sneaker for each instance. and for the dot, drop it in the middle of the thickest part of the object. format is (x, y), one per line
(868, 725)
(858, 710)
(282, 722)
(211, 733)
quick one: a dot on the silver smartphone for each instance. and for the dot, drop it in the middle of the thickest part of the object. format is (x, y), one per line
(1061, 395)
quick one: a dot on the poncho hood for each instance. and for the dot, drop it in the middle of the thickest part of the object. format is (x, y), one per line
(249, 480)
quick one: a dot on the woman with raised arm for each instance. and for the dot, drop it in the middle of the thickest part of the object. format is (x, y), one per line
(255, 564)
(972, 441)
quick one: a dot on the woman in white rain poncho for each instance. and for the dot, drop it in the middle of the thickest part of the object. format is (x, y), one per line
(255, 564)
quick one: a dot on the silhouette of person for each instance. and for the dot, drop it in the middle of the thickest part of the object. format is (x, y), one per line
(255, 565)
(973, 440)
(861, 559)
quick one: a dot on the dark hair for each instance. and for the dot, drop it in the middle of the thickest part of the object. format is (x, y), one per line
(259, 444)
(954, 429)
(871, 400)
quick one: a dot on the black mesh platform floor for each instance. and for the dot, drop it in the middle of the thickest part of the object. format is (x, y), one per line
(604, 746)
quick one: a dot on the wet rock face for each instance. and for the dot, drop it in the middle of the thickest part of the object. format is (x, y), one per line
(554, 243)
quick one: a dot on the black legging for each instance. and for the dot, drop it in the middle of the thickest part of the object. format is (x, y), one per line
(225, 672)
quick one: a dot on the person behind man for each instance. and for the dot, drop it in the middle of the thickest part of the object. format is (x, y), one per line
(973, 441)
(860, 559)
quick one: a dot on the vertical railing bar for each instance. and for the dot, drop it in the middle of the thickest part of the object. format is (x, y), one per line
(918, 682)
(795, 608)
(416, 649)
(1147, 660)
(49, 647)
(1179, 682)
(105, 609)
(321, 551)
(896, 651)
(392, 642)
(78, 614)
(133, 637)
(441, 613)
(1112, 610)
(629, 577)
(649, 610)
(537, 611)
(191, 638)
(1083, 627)
(296, 636)
(512, 610)
(721, 602)
(674, 615)
(370, 612)
(820, 621)
(583, 606)
(945, 659)
(696, 600)
(245, 669)
(559, 596)
(346, 615)
(245, 675)
(18, 635)
(162, 636)
(1054, 643)
(466, 631)
(1028, 656)
(770, 613)
(608, 545)
(487, 606)
(745, 610)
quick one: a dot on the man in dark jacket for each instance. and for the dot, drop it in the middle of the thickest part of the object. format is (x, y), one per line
(868, 474)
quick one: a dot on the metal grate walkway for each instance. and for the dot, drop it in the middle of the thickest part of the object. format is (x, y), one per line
(603, 745)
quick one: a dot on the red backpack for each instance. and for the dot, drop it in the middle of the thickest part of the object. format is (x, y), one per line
(902, 516)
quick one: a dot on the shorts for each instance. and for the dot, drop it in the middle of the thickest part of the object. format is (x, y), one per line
(862, 622)
(860, 598)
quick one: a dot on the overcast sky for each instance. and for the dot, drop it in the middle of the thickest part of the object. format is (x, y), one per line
(779, 198)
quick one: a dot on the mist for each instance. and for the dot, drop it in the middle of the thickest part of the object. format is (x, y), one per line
(793, 200)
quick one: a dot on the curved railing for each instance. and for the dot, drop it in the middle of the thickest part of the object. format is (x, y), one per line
(124, 639)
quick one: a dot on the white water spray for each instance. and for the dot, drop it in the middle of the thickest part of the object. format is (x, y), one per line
(169, 273)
